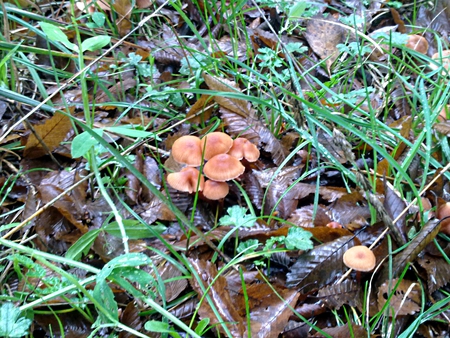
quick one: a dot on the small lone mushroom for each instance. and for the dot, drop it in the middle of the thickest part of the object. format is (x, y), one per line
(441, 213)
(360, 258)
(417, 43)
(186, 180)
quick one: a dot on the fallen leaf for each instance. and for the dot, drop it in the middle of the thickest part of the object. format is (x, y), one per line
(323, 35)
(404, 300)
(51, 133)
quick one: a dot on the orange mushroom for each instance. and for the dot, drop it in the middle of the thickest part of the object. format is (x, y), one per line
(243, 148)
(441, 213)
(215, 143)
(187, 150)
(417, 43)
(360, 258)
(223, 167)
(186, 180)
(215, 190)
(442, 58)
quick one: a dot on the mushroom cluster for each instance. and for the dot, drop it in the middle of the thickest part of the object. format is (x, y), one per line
(222, 156)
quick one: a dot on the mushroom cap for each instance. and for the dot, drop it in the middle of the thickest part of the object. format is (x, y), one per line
(215, 143)
(443, 58)
(417, 43)
(186, 180)
(442, 212)
(243, 148)
(223, 167)
(214, 190)
(360, 258)
(187, 150)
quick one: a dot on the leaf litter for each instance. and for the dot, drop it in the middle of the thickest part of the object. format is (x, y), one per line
(267, 258)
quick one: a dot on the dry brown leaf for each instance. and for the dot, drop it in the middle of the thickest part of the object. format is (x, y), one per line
(220, 298)
(405, 127)
(406, 298)
(320, 266)
(323, 35)
(347, 292)
(52, 132)
(238, 106)
(304, 217)
(123, 9)
(442, 128)
(131, 318)
(344, 332)
(176, 285)
(268, 313)
(437, 269)
(199, 106)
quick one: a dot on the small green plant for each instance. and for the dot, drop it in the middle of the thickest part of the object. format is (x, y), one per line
(55, 34)
(12, 323)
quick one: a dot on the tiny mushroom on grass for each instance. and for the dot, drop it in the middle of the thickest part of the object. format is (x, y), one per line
(215, 190)
(360, 258)
(440, 58)
(243, 148)
(186, 180)
(223, 168)
(187, 150)
(441, 213)
(417, 43)
(215, 143)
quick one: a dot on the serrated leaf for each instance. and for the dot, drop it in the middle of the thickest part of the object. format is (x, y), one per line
(11, 325)
(83, 142)
(347, 292)
(423, 238)
(54, 33)
(82, 245)
(94, 43)
(320, 266)
(298, 239)
(238, 217)
(134, 229)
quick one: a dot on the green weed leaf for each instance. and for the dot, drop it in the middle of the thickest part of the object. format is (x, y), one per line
(83, 142)
(298, 239)
(98, 18)
(104, 296)
(82, 245)
(95, 43)
(298, 9)
(134, 229)
(132, 132)
(54, 33)
(201, 326)
(238, 217)
(156, 326)
(244, 246)
(11, 325)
